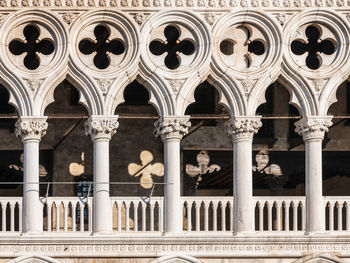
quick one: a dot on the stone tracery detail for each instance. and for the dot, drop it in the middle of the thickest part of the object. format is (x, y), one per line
(313, 128)
(313, 48)
(243, 128)
(243, 47)
(172, 47)
(31, 47)
(101, 127)
(101, 46)
(172, 127)
(31, 128)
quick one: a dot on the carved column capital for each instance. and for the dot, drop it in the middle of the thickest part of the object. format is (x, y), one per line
(313, 127)
(172, 127)
(101, 127)
(31, 128)
(244, 127)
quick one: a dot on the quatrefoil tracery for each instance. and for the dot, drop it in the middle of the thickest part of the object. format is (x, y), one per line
(314, 46)
(31, 46)
(242, 46)
(172, 46)
(101, 47)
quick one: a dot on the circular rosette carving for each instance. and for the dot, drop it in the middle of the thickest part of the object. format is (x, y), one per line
(105, 43)
(175, 42)
(248, 42)
(316, 42)
(34, 42)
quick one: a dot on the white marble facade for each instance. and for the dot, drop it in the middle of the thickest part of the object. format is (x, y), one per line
(240, 46)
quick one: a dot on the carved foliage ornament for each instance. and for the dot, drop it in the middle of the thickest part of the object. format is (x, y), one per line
(243, 127)
(172, 128)
(34, 128)
(101, 127)
(312, 128)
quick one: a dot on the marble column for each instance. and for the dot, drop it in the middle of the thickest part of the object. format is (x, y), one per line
(171, 130)
(242, 130)
(313, 129)
(101, 129)
(31, 130)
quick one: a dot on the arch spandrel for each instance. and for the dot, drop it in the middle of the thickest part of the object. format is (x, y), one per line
(33, 259)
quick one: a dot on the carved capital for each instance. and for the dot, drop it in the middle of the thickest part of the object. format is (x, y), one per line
(31, 128)
(101, 127)
(313, 127)
(172, 127)
(243, 127)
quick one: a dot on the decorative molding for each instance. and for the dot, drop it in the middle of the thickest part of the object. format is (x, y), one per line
(243, 127)
(139, 18)
(176, 84)
(69, 17)
(33, 84)
(319, 84)
(172, 127)
(210, 18)
(247, 85)
(104, 85)
(313, 127)
(101, 127)
(31, 128)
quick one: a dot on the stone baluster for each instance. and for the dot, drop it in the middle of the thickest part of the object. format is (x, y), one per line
(101, 129)
(313, 129)
(171, 130)
(242, 130)
(31, 130)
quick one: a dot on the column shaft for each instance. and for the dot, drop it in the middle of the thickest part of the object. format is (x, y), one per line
(315, 220)
(243, 185)
(32, 208)
(102, 204)
(173, 209)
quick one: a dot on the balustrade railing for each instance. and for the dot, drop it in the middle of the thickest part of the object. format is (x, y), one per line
(137, 214)
(67, 214)
(280, 213)
(11, 214)
(337, 213)
(207, 213)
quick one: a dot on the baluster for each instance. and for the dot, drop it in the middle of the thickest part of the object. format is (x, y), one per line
(151, 215)
(58, 205)
(3, 216)
(74, 217)
(189, 216)
(269, 216)
(303, 216)
(119, 215)
(295, 216)
(231, 217)
(331, 216)
(286, 214)
(215, 216)
(261, 216)
(12, 217)
(198, 207)
(160, 211)
(127, 206)
(144, 206)
(278, 215)
(65, 216)
(340, 221)
(347, 216)
(223, 218)
(49, 216)
(206, 215)
(89, 207)
(81, 224)
(20, 216)
(136, 220)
